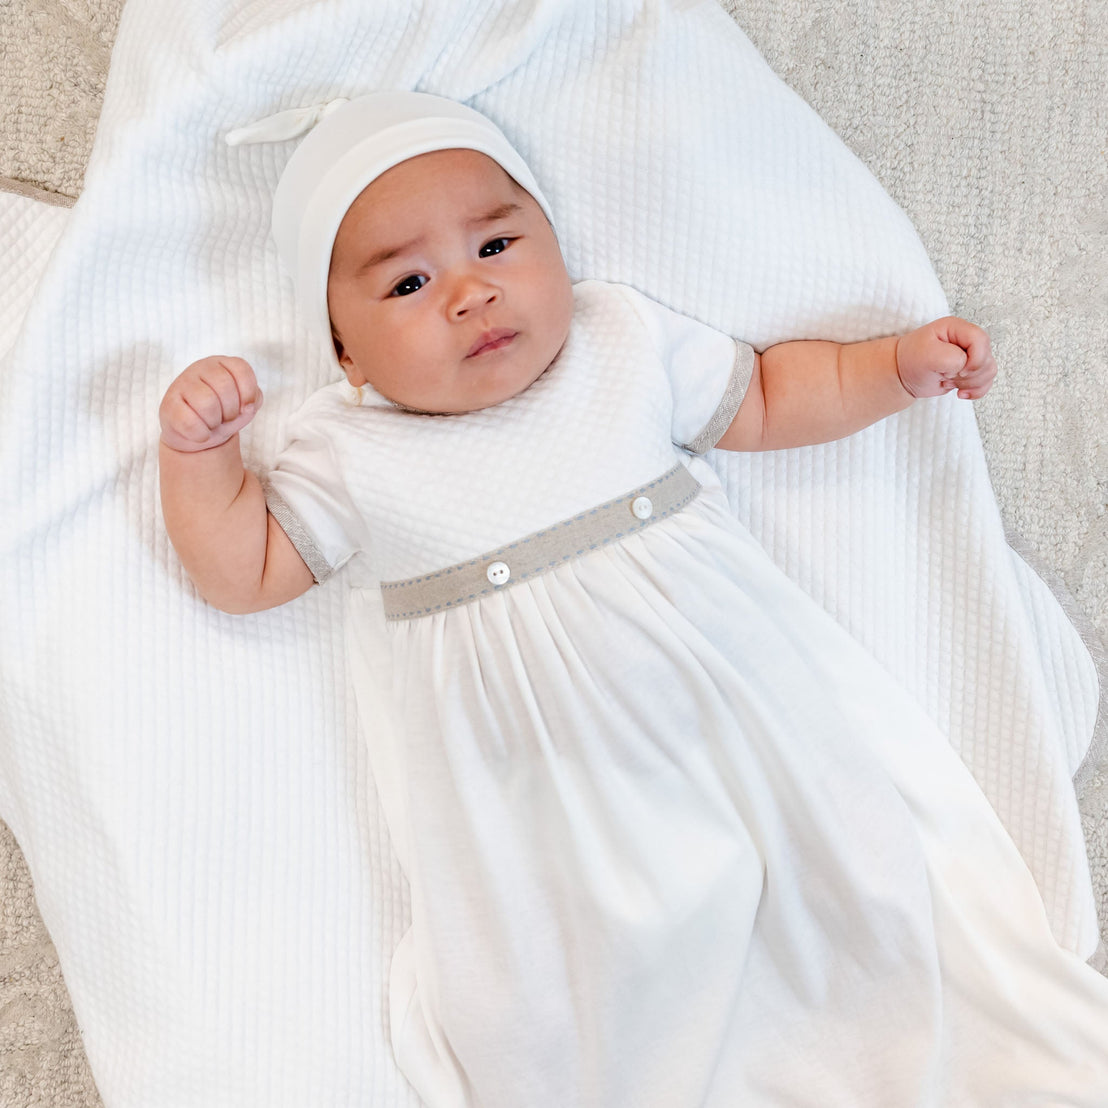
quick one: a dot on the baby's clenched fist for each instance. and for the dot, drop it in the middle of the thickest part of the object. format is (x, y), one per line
(209, 403)
(948, 354)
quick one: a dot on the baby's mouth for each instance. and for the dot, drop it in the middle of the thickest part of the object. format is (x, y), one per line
(492, 340)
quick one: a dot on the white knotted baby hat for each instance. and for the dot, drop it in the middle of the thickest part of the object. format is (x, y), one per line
(350, 143)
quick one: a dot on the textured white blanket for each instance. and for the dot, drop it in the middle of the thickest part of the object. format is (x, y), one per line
(188, 787)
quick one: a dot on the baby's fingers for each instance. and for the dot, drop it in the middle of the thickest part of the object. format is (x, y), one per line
(972, 384)
(181, 421)
(209, 402)
(232, 388)
(975, 378)
(973, 393)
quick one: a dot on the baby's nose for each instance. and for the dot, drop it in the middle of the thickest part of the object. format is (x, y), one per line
(473, 293)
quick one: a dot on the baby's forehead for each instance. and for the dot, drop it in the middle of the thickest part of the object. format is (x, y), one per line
(440, 170)
(464, 182)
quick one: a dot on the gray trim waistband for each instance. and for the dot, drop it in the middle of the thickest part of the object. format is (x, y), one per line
(498, 569)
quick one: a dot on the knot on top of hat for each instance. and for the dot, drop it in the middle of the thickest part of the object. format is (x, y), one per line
(284, 125)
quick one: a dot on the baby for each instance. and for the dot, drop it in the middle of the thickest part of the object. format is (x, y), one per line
(673, 838)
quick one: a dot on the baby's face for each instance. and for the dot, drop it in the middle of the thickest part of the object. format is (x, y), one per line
(447, 288)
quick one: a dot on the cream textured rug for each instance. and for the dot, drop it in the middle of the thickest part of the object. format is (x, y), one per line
(987, 124)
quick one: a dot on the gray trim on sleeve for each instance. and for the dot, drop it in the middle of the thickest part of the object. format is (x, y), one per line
(298, 535)
(741, 372)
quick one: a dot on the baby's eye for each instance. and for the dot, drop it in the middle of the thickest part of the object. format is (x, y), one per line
(409, 285)
(495, 246)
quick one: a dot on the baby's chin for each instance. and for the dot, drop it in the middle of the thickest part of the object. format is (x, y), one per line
(484, 395)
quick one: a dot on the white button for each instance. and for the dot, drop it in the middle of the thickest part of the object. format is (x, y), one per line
(498, 573)
(642, 507)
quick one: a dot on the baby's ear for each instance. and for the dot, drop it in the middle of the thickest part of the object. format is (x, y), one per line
(353, 374)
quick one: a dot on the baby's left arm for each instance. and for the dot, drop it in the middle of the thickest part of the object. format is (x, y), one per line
(807, 392)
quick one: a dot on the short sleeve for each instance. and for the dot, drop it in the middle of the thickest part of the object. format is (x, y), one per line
(306, 494)
(709, 373)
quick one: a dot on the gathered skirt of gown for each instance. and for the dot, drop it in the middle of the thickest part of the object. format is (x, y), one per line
(674, 838)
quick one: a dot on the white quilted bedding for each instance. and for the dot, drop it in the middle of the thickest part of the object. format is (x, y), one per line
(188, 787)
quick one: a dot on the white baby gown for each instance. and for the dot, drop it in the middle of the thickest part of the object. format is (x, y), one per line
(673, 838)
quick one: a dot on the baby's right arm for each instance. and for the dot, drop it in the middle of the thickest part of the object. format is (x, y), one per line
(236, 553)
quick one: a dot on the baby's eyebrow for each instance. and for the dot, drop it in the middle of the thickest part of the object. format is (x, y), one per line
(387, 253)
(501, 211)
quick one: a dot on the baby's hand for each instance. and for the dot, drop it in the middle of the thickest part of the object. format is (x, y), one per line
(947, 354)
(210, 402)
